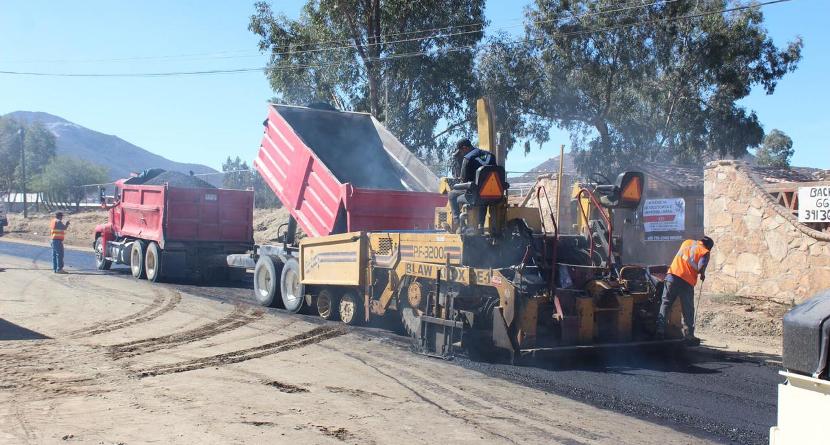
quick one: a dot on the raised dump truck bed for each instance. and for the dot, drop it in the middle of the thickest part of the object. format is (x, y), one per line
(339, 171)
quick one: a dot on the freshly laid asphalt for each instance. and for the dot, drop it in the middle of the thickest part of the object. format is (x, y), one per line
(718, 395)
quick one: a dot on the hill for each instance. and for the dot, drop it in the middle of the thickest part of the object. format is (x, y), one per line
(117, 155)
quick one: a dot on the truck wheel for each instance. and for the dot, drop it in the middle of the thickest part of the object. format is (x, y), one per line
(291, 288)
(152, 262)
(351, 308)
(101, 262)
(137, 259)
(328, 305)
(265, 282)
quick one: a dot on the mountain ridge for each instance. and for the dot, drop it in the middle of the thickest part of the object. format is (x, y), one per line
(118, 156)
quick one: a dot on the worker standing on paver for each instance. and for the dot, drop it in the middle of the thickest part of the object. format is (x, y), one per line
(57, 232)
(691, 260)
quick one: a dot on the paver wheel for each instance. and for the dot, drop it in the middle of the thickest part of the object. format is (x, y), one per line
(101, 262)
(137, 259)
(152, 262)
(291, 288)
(351, 308)
(328, 305)
(266, 282)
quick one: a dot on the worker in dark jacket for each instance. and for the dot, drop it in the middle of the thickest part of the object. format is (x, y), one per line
(57, 232)
(691, 260)
(466, 161)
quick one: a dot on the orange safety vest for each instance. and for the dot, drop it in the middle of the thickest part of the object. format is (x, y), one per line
(54, 233)
(688, 261)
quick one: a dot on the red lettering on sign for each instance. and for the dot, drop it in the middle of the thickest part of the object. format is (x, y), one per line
(659, 218)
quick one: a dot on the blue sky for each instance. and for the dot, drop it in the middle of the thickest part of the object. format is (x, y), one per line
(206, 118)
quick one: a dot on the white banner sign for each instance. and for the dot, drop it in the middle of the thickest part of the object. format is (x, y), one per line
(664, 215)
(814, 204)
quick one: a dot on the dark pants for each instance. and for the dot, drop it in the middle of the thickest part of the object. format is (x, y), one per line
(454, 196)
(673, 289)
(57, 255)
(458, 198)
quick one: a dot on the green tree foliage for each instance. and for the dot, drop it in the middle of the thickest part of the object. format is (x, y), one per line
(62, 178)
(776, 150)
(239, 176)
(39, 146)
(371, 71)
(656, 81)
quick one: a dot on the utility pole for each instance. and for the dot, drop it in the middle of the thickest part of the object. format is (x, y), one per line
(22, 132)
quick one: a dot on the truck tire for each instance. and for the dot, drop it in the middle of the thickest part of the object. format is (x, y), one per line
(291, 288)
(328, 305)
(351, 308)
(101, 262)
(152, 262)
(265, 282)
(137, 260)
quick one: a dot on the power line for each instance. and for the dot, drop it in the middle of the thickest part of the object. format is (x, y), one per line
(418, 39)
(348, 44)
(164, 74)
(402, 55)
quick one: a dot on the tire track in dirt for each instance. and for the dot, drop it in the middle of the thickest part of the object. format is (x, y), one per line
(418, 392)
(162, 303)
(238, 318)
(22, 369)
(307, 338)
(481, 402)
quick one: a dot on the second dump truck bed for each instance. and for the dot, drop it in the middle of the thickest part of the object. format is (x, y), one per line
(341, 171)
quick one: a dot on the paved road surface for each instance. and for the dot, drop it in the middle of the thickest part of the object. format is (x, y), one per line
(718, 395)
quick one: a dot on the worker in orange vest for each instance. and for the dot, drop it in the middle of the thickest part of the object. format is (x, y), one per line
(57, 232)
(691, 260)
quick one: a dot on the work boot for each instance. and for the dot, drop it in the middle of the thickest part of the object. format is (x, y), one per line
(691, 340)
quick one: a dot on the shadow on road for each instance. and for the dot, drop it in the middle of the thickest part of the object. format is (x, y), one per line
(11, 331)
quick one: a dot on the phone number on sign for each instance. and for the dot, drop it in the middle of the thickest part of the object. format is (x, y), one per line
(816, 215)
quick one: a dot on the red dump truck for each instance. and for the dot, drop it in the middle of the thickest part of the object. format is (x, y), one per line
(170, 225)
(335, 172)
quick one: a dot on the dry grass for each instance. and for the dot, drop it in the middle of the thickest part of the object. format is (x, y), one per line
(36, 227)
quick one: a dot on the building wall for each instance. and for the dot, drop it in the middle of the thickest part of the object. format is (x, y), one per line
(760, 248)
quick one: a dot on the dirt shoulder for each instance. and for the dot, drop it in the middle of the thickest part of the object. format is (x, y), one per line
(741, 324)
(94, 358)
(36, 227)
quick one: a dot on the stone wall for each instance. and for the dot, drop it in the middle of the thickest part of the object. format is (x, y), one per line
(760, 248)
